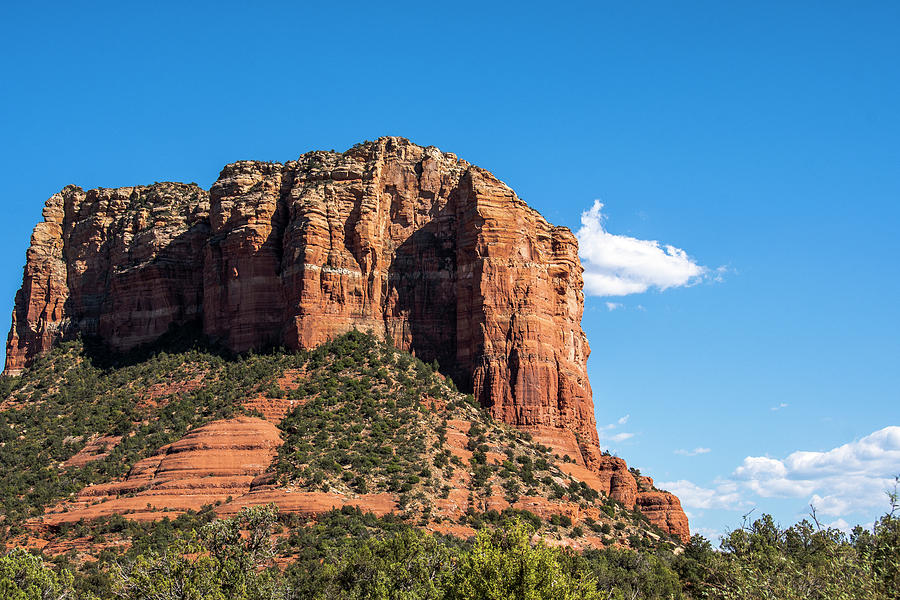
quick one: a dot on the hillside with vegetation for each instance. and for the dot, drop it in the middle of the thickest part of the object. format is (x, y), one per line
(464, 506)
(358, 419)
(349, 554)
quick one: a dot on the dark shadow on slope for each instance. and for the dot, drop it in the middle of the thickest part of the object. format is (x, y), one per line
(179, 338)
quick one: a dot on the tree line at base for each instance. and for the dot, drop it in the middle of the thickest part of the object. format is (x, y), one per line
(235, 559)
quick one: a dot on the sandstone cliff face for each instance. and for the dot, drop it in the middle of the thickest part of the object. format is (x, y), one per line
(414, 244)
(664, 510)
(407, 241)
(123, 264)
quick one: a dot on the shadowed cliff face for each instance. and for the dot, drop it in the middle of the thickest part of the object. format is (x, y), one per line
(411, 243)
(122, 264)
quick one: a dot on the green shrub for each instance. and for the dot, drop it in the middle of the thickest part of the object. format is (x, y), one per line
(24, 576)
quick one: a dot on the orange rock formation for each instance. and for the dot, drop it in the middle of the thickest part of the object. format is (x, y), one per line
(412, 243)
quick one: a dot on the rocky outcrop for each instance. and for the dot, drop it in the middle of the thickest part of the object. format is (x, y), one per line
(409, 242)
(228, 463)
(664, 510)
(414, 244)
(122, 264)
(97, 448)
(210, 464)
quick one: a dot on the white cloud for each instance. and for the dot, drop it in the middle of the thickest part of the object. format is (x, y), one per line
(713, 535)
(618, 265)
(848, 483)
(619, 421)
(760, 467)
(831, 505)
(848, 480)
(694, 452)
(718, 274)
(840, 524)
(849, 527)
(605, 431)
(614, 305)
(724, 495)
(780, 406)
(839, 481)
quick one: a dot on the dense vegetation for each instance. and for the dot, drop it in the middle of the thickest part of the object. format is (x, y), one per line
(48, 414)
(376, 420)
(347, 554)
(368, 419)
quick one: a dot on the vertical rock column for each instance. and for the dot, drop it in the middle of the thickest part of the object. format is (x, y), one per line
(39, 316)
(242, 288)
(522, 316)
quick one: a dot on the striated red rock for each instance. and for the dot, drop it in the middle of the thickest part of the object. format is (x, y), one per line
(275, 409)
(311, 503)
(122, 264)
(610, 475)
(208, 465)
(414, 244)
(225, 462)
(97, 447)
(407, 241)
(39, 313)
(664, 510)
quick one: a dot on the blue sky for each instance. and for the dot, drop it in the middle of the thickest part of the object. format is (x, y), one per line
(761, 139)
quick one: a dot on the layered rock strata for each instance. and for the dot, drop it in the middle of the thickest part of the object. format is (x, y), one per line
(410, 242)
(122, 264)
(210, 464)
(414, 244)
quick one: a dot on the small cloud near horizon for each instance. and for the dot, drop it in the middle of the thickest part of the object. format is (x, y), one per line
(694, 452)
(725, 495)
(837, 481)
(845, 480)
(605, 431)
(713, 535)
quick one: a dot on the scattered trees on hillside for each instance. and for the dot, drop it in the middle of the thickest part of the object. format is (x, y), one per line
(344, 557)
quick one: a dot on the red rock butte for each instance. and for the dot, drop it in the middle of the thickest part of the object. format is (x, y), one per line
(411, 243)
